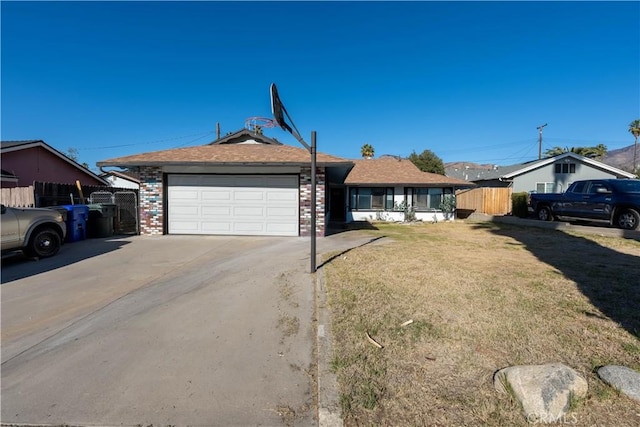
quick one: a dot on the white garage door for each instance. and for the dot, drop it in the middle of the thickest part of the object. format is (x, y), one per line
(265, 205)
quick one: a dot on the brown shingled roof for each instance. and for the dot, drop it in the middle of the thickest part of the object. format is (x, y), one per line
(386, 171)
(219, 154)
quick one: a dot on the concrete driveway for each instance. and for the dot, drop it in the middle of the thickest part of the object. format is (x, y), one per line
(167, 330)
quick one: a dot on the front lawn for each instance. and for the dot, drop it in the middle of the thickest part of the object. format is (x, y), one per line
(481, 296)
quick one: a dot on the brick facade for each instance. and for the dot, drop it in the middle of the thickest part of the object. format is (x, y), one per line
(151, 206)
(305, 201)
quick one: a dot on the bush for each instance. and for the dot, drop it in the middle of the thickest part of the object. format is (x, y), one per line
(519, 203)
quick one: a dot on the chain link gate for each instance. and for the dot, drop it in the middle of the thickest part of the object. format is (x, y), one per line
(126, 221)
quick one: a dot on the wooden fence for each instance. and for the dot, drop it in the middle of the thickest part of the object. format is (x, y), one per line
(45, 194)
(490, 201)
(18, 197)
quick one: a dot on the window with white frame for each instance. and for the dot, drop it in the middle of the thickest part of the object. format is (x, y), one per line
(370, 198)
(545, 187)
(427, 199)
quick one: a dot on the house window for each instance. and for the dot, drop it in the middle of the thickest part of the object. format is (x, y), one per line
(372, 198)
(423, 199)
(545, 187)
(565, 168)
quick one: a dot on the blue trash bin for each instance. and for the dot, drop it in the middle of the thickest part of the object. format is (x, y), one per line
(77, 216)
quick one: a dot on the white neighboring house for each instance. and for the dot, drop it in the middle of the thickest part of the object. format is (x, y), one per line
(121, 180)
(379, 189)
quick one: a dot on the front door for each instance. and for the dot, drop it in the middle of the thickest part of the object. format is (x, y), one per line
(337, 209)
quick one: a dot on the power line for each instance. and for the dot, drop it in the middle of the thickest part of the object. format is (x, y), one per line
(158, 141)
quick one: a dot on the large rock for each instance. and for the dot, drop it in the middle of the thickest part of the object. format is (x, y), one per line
(544, 391)
(622, 378)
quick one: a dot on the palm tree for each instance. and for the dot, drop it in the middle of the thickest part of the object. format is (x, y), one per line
(600, 151)
(552, 152)
(367, 151)
(597, 152)
(634, 128)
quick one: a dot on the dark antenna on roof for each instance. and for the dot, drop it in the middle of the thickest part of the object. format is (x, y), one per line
(217, 130)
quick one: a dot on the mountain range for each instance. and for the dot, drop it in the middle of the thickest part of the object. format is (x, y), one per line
(621, 158)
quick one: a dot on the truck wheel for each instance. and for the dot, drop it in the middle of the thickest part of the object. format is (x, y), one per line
(544, 214)
(628, 219)
(44, 243)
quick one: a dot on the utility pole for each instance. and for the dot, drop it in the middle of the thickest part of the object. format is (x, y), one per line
(540, 140)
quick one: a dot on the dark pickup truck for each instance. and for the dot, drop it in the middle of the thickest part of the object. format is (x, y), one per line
(614, 201)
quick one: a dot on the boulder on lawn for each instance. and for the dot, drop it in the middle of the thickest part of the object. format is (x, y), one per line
(624, 379)
(544, 391)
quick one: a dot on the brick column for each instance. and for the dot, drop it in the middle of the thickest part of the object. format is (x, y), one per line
(305, 201)
(151, 207)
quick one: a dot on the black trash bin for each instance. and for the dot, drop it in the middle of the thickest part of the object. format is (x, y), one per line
(101, 216)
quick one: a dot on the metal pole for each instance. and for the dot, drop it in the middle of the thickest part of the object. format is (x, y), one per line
(313, 201)
(540, 141)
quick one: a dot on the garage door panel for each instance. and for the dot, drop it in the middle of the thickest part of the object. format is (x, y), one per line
(249, 227)
(216, 227)
(193, 211)
(232, 204)
(280, 213)
(256, 212)
(250, 195)
(223, 211)
(222, 194)
(185, 227)
(183, 193)
(281, 196)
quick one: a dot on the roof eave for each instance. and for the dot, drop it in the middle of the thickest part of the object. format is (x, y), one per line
(159, 164)
(415, 184)
(44, 145)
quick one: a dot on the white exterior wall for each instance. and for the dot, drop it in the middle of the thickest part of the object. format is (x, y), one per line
(393, 216)
(116, 181)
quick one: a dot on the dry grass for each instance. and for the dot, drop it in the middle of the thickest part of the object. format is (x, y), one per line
(482, 297)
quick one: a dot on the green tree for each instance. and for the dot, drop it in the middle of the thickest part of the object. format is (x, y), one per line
(634, 128)
(596, 152)
(427, 161)
(72, 153)
(367, 151)
(555, 151)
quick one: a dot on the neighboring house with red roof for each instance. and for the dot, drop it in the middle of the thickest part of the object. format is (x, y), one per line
(35, 160)
(248, 184)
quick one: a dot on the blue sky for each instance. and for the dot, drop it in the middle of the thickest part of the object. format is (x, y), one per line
(470, 81)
